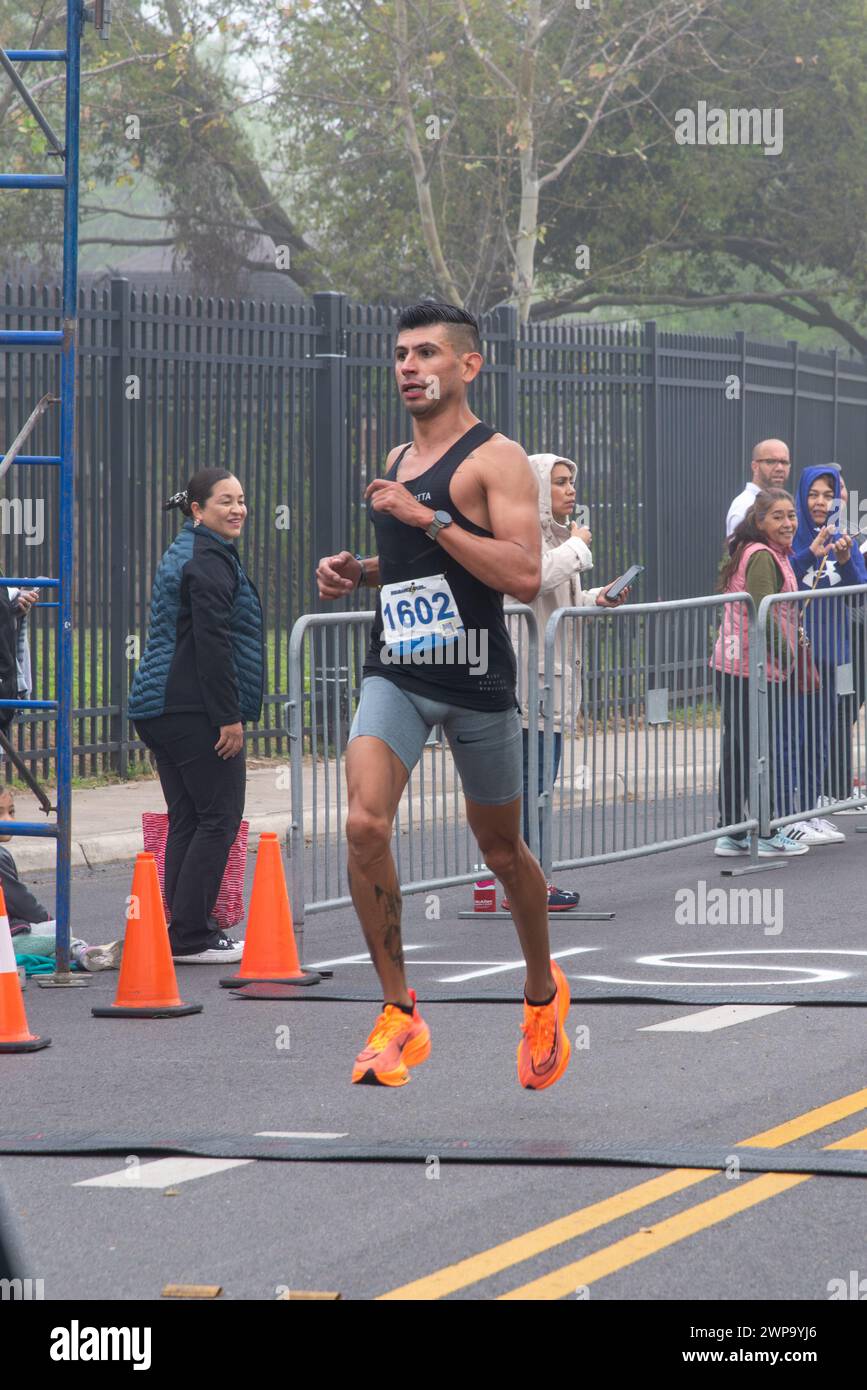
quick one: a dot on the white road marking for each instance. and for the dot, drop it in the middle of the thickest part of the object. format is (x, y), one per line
(360, 958)
(163, 1172)
(297, 1134)
(709, 1020)
(695, 960)
(506, 966)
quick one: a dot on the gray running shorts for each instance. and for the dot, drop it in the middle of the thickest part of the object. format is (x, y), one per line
(486, 744)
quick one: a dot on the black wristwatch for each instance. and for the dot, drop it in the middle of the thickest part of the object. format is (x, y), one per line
(360, 559)
(441, 519)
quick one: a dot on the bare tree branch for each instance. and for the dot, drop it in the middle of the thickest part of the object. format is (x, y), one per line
(429, 229)
(481, 52)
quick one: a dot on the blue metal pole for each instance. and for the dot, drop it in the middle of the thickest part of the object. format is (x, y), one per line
(36, 55)
(30, 337)
(74, 20)
(31, 181)
(33, 458)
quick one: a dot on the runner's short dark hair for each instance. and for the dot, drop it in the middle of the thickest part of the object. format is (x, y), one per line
(463, 328)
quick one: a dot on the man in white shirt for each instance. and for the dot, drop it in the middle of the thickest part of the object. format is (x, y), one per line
(771, 466)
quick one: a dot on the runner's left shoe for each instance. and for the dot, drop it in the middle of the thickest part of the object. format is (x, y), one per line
(544, 1050)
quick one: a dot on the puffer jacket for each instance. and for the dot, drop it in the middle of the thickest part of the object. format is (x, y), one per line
(204, 650)
(8, 648)
(564, 557)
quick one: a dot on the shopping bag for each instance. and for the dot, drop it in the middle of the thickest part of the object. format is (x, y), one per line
(229, 908)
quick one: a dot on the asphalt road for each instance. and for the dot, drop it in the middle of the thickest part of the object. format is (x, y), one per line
(429, 1227)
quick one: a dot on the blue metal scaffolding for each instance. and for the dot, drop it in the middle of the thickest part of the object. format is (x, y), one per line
(66, 339)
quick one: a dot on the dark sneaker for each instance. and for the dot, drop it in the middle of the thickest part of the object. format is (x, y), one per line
(559, 899)
(225, 952)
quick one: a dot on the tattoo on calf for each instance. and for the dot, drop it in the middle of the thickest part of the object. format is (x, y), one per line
(390, 904)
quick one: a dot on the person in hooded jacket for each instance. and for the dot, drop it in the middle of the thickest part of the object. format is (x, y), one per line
(825, 557)
(566, 555)
(201, 678)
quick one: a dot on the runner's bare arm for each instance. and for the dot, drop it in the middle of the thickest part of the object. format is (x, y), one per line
(337, 575)
(511, 562)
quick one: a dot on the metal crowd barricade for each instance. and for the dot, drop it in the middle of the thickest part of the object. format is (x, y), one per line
(432, 844)
(646, 762)
(812, 704)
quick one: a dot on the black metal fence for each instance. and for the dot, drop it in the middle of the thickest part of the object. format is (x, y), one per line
(301, 403)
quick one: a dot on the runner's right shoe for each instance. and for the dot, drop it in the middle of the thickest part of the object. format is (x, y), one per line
(398, 1041)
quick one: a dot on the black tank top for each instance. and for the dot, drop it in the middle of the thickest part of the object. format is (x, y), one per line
(405, 552)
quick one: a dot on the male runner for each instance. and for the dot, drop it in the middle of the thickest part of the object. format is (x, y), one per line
(457, 525)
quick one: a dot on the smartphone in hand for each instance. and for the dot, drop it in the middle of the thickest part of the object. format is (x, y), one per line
(624, 582)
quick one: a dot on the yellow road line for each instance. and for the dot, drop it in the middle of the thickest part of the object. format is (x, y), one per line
(535, 1242)
(699, 1218)
(854, 1141)
(512, 1252)
(809, 1122)
(643, 1243)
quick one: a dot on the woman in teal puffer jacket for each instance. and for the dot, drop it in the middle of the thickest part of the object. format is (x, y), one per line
(200, 680)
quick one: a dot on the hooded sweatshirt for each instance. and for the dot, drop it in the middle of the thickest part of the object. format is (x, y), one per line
(564, 556)
(826, 623)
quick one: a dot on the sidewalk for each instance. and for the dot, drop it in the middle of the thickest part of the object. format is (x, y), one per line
(106, 821)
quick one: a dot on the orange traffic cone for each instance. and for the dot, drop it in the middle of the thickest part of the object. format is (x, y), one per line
(15, 1036)
(147, 987)
(270, 954)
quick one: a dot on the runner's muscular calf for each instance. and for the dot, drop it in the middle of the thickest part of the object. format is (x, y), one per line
(494, 487)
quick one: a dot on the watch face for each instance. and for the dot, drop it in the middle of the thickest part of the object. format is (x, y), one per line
(443, 518)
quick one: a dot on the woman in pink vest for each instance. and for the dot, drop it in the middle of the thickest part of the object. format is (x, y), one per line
(758, 564)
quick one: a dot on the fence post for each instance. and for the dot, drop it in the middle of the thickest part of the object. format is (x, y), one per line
(835, 353)
(329, 480)
(796, 352)
(650, 458)
(506, 327)
(760, 743)
(741, 340)
(119, 505)
(330, 488)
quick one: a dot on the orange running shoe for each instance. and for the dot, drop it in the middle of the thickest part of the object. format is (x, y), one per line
(398, 1041)
(544, 1050)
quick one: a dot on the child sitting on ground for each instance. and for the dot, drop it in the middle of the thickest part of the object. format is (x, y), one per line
(26, 913)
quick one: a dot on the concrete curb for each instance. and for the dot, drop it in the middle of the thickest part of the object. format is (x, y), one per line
(118, 846)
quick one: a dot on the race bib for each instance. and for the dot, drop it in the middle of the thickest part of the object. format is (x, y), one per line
(417, 609)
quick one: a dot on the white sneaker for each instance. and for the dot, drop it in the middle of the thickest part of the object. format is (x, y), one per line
(225, 952)
(804, 832)
(101, 957)
(831, 833)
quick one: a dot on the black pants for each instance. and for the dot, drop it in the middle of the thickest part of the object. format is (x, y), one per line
(734, 770)
(205, 799)
(733, 693)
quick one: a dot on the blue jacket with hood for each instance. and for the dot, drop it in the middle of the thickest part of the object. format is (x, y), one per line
(204, 650)
(827, 624)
